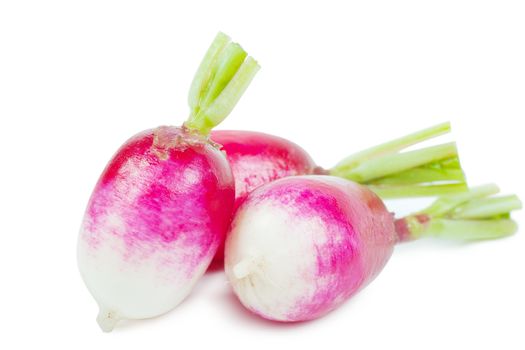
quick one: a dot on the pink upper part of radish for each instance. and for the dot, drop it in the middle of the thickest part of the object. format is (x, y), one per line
(313, 242)
(257, 158)
(164, 187)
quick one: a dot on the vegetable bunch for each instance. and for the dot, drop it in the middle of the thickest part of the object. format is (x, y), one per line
(297, 240)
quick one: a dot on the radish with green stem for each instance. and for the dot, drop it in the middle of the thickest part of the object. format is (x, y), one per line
(302, 245)
(257, 158)
(163, 203)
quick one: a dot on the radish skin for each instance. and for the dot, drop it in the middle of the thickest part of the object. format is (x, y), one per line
(163, 203)
(257, 158)
(302, 245)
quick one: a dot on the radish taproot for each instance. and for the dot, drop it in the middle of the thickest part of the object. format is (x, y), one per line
(257, 158)
(300, 246)
(163, 203)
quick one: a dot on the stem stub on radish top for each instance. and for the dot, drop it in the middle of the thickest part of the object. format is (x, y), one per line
(221, 79)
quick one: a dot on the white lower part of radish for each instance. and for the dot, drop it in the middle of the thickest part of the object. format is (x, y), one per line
(266, 243)
(300, 246)
(135, 286)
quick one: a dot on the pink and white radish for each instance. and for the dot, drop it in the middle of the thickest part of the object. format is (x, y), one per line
(257, 158)
(301, 246)
(163, 204)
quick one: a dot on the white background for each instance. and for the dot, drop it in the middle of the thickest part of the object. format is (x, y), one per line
(79, 78)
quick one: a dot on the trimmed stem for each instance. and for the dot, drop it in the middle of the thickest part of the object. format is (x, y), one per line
(423, 190)
(446, 170)
(468, 216)
(395, 145)
(488, 207)
(428, 171)
(471, 230)
(223, 76)
(401, 162)
(446, 204)
(204, 72)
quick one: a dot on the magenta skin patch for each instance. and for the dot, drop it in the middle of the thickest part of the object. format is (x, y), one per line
(257, 158)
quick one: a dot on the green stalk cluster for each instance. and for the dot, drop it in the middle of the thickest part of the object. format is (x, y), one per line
(391, 173)
(220, 81)
(472, 215)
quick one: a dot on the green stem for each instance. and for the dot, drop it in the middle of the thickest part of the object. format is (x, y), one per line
(222, 77)
(472, 215)
(471, 230)
(392, 164)
(394, 145)
(205, 71)
(446, 204)
(428, 171)
(487, 207)
(423, 190)
(446, 170)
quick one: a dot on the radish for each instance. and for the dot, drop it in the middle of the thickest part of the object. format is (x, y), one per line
(300, 246)
(163, 203)
(257, 158)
